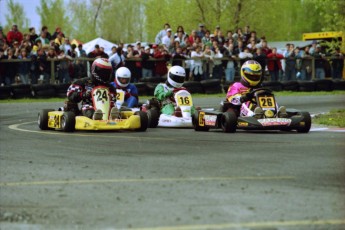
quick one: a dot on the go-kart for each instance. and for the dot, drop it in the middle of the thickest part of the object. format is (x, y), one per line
(228, 120)
(183, 103)
(69, 121)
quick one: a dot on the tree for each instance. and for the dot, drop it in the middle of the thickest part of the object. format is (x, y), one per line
(16, 16)
(53, 15)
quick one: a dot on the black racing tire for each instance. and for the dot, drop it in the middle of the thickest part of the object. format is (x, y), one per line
(196, 125)
(144, 122)
(42, 120)
(153, 117)
(68, 121)
(307, 121)
(228, 122)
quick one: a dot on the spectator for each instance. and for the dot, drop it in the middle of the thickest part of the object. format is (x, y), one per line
(161, 34)
(117, 60)
(44, 37)
(161, 66)
(298, 67)
(192, 37)
(260, 57)
(33, 35)
(273, 64)
(178, 57)
(196, 64)
(147, 64)
(59, 39)
(206, 40)
(16, 48)
(131, 65)
(306, 65)
(66, 46)
(230, 64)
(104, 54)
(43, 65)
(81, 51)
(245, 55)
(2, 66)
(64, 66)
(24, 67)
(246, 34)
(180, 30)
(218, 67)
(14, 35)
(337, 64)
(252, 45)
(113, 50)
(319, 63)
(220, 38)
(238, 35)
(201, 32)
(167, 40)
(313, 47)
(57, 31)
(290, 63)
(208, 62)
(180, 37)
(264, 47)
(37, 46)
(3, 38)
(11, 68)
(46, 32)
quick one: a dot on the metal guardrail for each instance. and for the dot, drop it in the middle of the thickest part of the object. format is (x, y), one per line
(238, 60)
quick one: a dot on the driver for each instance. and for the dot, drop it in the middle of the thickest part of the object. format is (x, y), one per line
(122, 81)
(164, 91)
(80, 90)
(239, 92)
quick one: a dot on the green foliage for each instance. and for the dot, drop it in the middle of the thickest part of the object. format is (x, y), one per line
(333, 118)
(53, 15)
(16, 16)
(131, 20)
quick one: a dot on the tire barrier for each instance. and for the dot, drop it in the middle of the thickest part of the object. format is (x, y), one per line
(210, 86)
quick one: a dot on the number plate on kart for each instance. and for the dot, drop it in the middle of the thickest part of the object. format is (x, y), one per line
(275, 121)
(267, 102)
(184, 100)
(120, 95)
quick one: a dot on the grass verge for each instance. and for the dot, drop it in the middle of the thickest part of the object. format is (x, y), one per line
(335, 117)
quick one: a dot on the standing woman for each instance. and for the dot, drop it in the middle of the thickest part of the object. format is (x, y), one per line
(24, 67)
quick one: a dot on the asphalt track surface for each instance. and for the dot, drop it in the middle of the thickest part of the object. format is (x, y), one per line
(171, 178)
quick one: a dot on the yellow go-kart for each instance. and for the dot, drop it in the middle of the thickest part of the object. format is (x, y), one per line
(68, 121)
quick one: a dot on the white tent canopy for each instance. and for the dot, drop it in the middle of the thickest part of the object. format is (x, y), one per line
(90, 46)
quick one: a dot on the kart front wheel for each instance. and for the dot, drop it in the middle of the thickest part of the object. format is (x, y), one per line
(68, 121)
(143, 121)
(42, 120)
(229, 122)
(153, 117)
(307, 123)
(196, 125)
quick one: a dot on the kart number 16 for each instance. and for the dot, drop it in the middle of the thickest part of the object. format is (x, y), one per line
(184, 100)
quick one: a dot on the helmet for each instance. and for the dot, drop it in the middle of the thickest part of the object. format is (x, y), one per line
(123, 76)
(101, 70)
(251, 73)
(176, 76)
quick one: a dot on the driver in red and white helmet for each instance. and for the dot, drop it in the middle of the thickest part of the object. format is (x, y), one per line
(80, 90)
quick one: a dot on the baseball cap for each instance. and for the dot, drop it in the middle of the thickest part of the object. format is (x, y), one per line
(168, 29)
(147, 47)
(201, 25)
(217, 27)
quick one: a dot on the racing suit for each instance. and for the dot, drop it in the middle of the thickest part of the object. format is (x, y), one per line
(165, 95)
(235, 95)
(80, 91)
(131, 94)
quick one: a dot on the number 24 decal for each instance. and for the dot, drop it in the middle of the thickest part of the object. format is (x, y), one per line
(101, 95)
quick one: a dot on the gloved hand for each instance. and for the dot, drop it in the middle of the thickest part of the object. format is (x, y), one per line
(86, 95)
(127, 95)
(246, 97)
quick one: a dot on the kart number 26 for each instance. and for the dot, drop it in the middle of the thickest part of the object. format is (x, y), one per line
(266, 102)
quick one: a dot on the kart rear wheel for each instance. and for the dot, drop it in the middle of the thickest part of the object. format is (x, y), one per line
(153, 117)
(143, 121)
(42, 120)
(229, 122)
(195, 121)
(68, 121)
(307, 123)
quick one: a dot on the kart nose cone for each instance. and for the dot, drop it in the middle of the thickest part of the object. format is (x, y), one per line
(269, 113)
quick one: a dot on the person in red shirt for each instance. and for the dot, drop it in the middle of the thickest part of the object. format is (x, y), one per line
(14, 35)
(161, 66)
(273, 64)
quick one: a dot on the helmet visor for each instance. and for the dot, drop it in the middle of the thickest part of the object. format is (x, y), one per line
(104, 74)
(252, 75)
(123, 80)
(176, 78)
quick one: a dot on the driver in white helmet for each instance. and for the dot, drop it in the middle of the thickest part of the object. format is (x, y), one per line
(164, 91)
(122, 81)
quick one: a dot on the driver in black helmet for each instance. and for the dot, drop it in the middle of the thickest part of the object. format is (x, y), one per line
(80, 90)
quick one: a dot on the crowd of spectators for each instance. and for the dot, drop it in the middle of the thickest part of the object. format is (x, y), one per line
(204, 53)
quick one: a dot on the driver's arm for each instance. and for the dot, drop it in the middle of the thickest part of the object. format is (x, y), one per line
(160, 94)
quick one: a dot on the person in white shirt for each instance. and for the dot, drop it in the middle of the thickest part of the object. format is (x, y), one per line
(196, 64)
